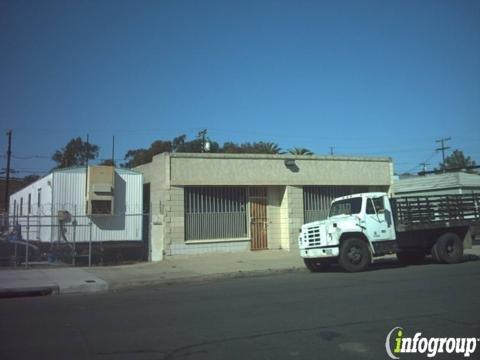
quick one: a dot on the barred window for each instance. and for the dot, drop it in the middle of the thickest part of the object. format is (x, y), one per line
(317, 199)
(215, 213)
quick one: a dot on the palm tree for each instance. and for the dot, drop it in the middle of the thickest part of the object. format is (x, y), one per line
(300, 151)
(267, 148)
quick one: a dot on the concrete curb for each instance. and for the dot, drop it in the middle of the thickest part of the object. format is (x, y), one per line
(197, 279)
(202, 278)
(29, 291)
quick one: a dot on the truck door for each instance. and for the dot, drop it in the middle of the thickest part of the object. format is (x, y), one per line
(378, 219)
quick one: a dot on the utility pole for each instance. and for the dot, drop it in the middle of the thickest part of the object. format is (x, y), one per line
(442, 149)
(7, 175)
(331, 150)
(113, 151)
(424, 166)
(202, 135)
(86, 166)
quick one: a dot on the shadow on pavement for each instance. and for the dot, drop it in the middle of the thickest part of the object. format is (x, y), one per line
(393, 263)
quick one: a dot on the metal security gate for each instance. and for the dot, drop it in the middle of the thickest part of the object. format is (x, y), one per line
(215, 213)
(258, 218)
(317, 199)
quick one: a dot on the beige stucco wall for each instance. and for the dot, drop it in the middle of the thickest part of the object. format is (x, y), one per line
(295, 215)
(229, 169)
(157, 174)
(275, 196)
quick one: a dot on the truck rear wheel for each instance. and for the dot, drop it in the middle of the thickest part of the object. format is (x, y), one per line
(316, 265)
(354, 255)
(448, 249)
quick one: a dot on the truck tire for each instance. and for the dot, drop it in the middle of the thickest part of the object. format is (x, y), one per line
(315, 265)
(411, 257)
(354, 255)
(435, 255)
(448, 248)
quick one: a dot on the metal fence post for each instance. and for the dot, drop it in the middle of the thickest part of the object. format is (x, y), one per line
(15, 251)
(90, 247)
(74, 223)
(74, 251)
(28, 237)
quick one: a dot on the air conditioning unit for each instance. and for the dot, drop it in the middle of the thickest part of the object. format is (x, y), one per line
(100, 190)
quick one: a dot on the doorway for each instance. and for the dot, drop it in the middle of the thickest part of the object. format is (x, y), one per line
(258, 218)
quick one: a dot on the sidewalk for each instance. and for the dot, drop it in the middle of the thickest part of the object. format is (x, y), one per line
(200, 267)
(33, 282)
(178, 269)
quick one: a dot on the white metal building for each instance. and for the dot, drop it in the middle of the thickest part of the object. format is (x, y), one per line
(454, 183)
(42, 204)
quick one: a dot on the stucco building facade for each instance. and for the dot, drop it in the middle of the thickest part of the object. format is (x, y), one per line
(239, 202)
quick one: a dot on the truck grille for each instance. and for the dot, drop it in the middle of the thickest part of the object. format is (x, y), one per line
(313, 236)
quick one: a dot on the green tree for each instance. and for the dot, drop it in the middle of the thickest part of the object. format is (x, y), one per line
(300, 151)
(31, 178)
(260, 147)
(267, 148)
(138, 157)
(107, 162)
(231, 148)
(75, 153)
(457, 160)
(181, 145)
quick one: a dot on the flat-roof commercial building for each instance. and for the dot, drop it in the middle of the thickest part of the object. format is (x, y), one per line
(239, 202)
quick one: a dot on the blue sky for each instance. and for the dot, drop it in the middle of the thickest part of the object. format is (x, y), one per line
(380, 78)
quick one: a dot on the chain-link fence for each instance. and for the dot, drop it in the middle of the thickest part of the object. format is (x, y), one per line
(71, 239)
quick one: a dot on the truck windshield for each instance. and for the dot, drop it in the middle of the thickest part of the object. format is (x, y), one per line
(346, 207)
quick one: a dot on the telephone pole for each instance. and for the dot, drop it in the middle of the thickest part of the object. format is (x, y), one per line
(443, 148)
(202, 136)
(7, 175)
(424, 166)
(331, 150)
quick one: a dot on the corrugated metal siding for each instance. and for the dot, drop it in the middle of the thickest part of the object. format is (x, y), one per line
(445, 183)
(39, 218)
(65, 190)
(317, 199)
(125, 225)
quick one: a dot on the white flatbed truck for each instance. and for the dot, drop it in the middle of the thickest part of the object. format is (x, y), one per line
(363, 226)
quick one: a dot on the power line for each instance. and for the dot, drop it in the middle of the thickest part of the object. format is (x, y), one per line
(29, 157)
(443, 148)
(424, 166)
(425, 161)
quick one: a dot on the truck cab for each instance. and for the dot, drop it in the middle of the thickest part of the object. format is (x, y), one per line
(358, 228)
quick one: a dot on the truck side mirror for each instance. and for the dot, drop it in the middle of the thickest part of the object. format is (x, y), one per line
(388, 217)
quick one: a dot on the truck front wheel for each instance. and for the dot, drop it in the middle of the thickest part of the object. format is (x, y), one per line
(448, 249)
(315, 265)
(354, 255)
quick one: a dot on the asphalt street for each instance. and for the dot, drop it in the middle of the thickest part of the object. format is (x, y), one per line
(296, 315)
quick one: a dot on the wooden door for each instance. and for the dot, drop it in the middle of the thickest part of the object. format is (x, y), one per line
(258, 218)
